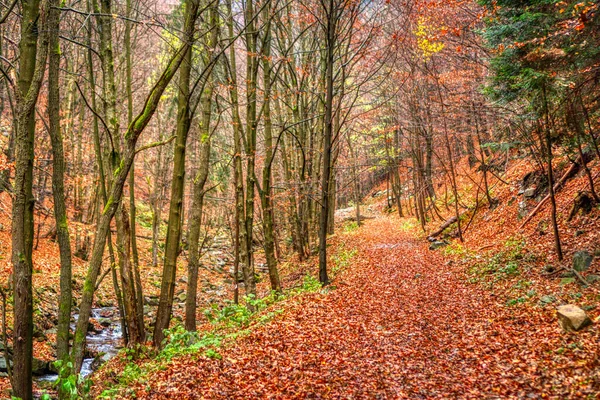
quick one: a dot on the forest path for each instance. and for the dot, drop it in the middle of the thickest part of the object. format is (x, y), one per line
(400, 323)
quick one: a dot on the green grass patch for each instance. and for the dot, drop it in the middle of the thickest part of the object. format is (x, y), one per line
(350, 226)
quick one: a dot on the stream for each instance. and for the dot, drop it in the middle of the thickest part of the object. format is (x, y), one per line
(105, 343)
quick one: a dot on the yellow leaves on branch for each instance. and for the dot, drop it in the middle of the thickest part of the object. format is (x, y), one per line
(428, 38)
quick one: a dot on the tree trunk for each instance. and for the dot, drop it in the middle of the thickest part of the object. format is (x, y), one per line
(32, 64)
(195, 217)
(137, 281)
(251, 88)
(167, 288)
(266, 190)
(241, 257)
(101, 175)
(58, 188)
(331, 14)
(548, 145)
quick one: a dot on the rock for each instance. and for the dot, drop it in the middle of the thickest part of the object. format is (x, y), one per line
(572, 318)
(151, 301)
(105, 322)
(51, 331)
(547, 300)
(523, 209)
(579, 233)
(182, 297)
(437, 244)
(40, 367)
(582, 260)
(3, 363)
(529, 192)
(100, 359)
(94, 326)
(107, 313)
(102, 303)
(592, 278)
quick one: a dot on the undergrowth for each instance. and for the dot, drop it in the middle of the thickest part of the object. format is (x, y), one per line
(501, 265)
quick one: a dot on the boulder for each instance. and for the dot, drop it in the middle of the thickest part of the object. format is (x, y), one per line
(40, 367)
(529, 192)
(572, 318)
(582, 260)
(437, 244)
(592, 278)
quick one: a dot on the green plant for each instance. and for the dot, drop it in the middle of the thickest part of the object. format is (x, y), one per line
(514, 302)
(66, 383)
(350, 226)
(408, 225)
(503, 264)
(310, 284)
(456, 249)
(510, 269)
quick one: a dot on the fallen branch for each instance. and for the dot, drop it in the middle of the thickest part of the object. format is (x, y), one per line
(550, 274)
(580, 277)
(444, 226)
(353, 218)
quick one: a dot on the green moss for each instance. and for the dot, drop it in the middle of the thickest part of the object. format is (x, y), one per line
(108, 205)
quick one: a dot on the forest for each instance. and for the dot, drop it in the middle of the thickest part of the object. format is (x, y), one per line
(299, 199)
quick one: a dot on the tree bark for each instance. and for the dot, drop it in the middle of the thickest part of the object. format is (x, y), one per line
(167, 288)
(331, 15)
(32, 64)
(195, 217)
(58, 187)
(266, 190)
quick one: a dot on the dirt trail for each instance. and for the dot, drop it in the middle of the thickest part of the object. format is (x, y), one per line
(401, 323)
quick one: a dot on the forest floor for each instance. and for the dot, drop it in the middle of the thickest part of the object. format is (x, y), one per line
(398, 321)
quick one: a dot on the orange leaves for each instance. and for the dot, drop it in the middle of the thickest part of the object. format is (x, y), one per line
(400, 323)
